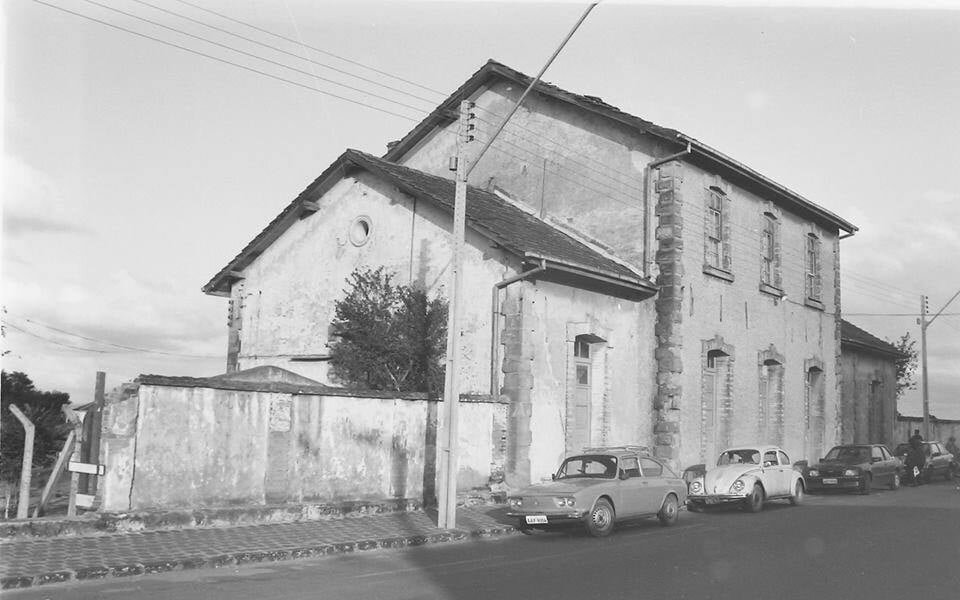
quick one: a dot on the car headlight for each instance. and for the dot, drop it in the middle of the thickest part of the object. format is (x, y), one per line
(813, 473)
(851, 473)
(696, 487)
(737, 486)
(565, 501)
(515, 502)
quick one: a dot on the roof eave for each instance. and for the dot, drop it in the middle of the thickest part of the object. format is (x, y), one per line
(768, 183)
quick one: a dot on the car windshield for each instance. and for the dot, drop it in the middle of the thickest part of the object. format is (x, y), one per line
(849, 454)
(593, 465)
(746, 456)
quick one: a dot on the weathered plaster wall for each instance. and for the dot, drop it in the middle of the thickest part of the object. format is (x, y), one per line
(748, 320)
(862, 372)
(168, 447)
(290, 290)
(553, 315)
(940, 429)
(577, 167)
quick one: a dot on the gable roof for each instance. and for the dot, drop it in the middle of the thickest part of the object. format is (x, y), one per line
(854, 337)
(513, 228)
(447, 111)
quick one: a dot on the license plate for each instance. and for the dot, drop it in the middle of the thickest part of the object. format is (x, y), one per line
(536, 519)
(830, 480)
(713, 501)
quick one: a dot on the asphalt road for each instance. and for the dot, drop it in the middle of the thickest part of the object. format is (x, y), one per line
(897, 545)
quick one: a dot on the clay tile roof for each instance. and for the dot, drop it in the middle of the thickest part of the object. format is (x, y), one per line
(493, 69)
(514, 229)
(851, 335)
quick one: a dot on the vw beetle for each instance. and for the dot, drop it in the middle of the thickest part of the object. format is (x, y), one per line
(747, 475)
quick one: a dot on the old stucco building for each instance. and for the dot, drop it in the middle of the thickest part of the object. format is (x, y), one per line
(869, 396)
(625, 283)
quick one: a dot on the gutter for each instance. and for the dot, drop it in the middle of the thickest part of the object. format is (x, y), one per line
(495, 323)
(648, 231)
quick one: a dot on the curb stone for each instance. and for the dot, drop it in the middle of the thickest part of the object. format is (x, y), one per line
(245, 557)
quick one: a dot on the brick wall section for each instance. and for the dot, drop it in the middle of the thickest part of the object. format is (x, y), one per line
(517, 386)
(669, 306)
(838, 360)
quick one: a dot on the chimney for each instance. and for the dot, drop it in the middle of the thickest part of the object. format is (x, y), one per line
(392, 145)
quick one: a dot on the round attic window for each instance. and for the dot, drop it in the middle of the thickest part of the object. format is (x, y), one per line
(360, 230)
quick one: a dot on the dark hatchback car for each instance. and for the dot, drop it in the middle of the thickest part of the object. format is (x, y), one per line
(857, 467)
(940, 463)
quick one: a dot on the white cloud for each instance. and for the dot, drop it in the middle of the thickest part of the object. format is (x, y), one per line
(33, 203)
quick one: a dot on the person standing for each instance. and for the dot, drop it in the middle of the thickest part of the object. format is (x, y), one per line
(916, 459)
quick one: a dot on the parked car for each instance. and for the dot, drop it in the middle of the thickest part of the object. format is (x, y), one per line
(750, 476)
(598, 488)
(940, 463)
(855, 467)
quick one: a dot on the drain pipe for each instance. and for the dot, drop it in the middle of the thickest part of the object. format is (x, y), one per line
(495, 324)
(648, 231)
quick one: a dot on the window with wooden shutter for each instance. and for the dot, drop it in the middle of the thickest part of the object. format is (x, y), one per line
(814, 279)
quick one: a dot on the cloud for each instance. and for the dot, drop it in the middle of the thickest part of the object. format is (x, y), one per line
(34, 204)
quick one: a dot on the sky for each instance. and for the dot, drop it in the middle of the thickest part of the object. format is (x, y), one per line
(136, 166)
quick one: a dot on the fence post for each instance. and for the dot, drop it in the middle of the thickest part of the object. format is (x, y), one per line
(23, 505)
(91, 450)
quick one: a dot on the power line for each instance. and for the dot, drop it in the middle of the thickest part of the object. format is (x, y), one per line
(52, 341)
(281, 50)
(98, 341)
(226, 62)
(252, 55)
(324, 52)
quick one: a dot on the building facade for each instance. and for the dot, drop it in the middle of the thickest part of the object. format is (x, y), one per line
(699, 309)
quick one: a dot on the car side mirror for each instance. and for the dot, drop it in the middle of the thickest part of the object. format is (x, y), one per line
(876, 459)
(624, 475)
(553, 476)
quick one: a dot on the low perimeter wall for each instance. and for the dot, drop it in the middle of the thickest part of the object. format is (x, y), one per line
(188, 445)
(940, 429)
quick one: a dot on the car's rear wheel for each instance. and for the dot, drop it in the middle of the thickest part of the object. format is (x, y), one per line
(754, 501)
(600, 519)
(895, 483)
(797, 498)
(866, 484)
(523, 528)
(670, 511)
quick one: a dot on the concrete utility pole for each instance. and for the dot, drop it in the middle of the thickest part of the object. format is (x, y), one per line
(447, 488)
(922, 321)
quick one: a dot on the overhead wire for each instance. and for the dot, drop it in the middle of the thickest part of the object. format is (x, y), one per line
(225, 61)
(611, 191)
(99, 341)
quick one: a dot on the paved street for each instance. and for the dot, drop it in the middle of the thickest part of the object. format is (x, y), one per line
(888, 545)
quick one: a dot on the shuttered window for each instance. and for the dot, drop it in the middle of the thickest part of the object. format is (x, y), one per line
(814, 282)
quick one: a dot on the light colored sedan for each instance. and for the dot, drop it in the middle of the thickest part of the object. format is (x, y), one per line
(749, 475)
(599, 487)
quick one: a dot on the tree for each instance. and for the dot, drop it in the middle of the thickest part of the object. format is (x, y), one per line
(906, 363)
(388, 336)
(45, 411)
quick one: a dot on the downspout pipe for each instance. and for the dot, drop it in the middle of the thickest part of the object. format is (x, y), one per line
(648, 207)
(495, 323)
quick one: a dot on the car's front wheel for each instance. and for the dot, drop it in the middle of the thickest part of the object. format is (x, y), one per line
(754, 501)
(670, 511)
(600, 519)
(797, 498)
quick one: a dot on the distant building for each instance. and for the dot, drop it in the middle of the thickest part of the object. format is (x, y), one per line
(869, 395)
(625, 283)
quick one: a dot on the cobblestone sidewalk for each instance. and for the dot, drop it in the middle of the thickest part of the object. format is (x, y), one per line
(39, 561)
